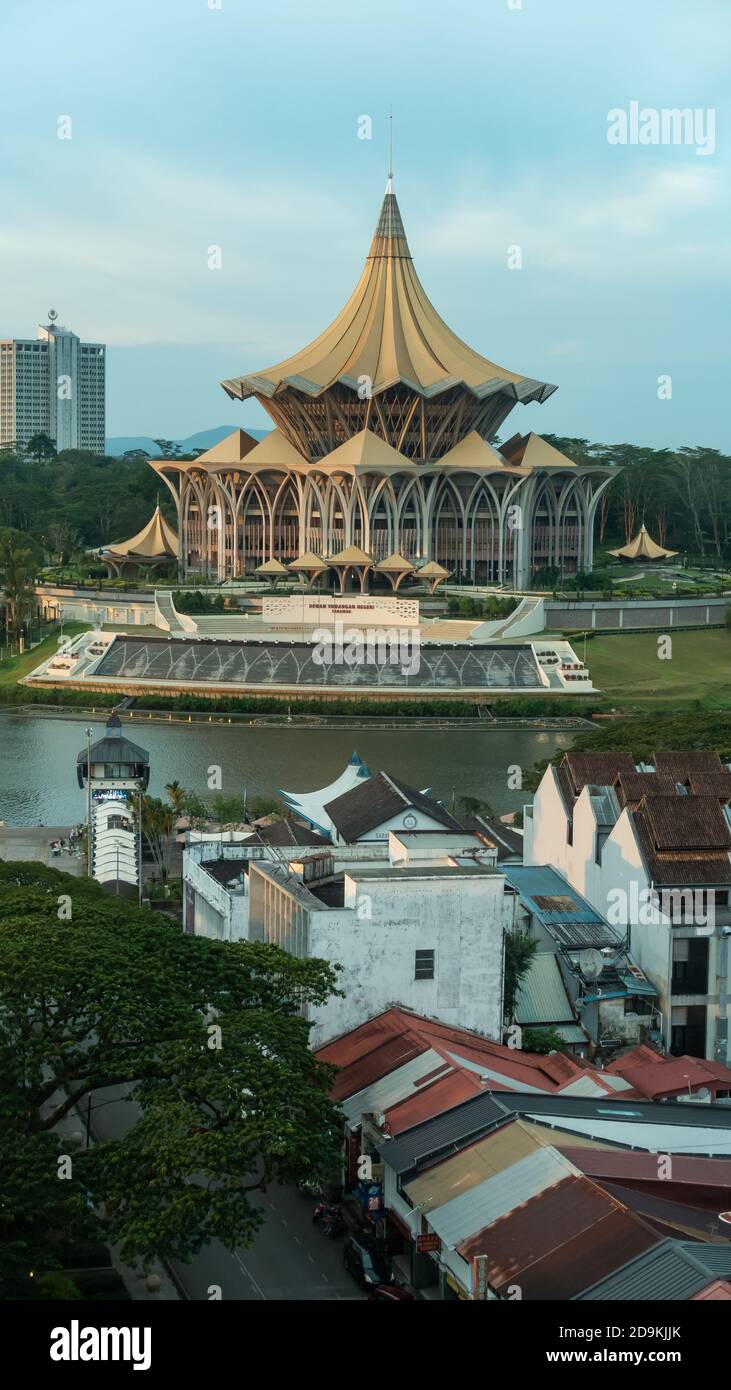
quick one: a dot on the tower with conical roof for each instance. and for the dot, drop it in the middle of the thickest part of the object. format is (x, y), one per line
(382, 446)
(390, 364)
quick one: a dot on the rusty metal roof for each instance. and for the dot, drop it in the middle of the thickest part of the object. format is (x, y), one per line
(559, 1241)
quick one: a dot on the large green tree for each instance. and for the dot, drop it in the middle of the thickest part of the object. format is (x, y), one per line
(207, 1039)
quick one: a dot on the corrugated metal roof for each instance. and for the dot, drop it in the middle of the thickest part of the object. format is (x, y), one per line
(542, 996)
(627, 1165)
(444, 1133)
(657, 1138)
(393, 1087)
(570, 1032)
(674, 1270)
(473, 1165)
(565, 1236)
(473, 1210)
(572, 921)
(583, 1086)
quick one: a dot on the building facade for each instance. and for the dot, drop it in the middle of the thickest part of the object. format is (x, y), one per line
(53, 384)
(649, 846)
(382, 442)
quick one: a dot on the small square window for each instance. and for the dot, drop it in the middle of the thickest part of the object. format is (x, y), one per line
(423, 965)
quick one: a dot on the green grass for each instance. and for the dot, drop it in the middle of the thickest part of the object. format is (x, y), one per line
(13, 668)
(631, 675)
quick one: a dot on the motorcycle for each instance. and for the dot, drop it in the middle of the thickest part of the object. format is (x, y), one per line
(331, 1219)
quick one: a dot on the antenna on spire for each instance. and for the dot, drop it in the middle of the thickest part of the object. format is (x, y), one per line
(390, 144)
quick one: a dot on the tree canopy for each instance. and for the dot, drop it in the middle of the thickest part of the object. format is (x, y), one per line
(208, 1037)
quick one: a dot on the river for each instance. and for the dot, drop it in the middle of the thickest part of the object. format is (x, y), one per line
(38, 760)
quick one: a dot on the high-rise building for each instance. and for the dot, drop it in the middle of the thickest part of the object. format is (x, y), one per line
(52, 384)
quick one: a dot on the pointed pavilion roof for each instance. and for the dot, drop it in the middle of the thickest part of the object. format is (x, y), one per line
(364, 451)
(155, 540)
(643, 547)
(231, 449)
(473, 452)
(271, 567)
(390, 332)
(432, 569)
(532, 451)
(352, 555)
(395, 564)
(308, 561)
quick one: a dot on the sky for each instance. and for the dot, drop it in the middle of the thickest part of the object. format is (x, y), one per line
(192, 124)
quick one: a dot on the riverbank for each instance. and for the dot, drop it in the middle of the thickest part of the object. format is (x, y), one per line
(302, 721)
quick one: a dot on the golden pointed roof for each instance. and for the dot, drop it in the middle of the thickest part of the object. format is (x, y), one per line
(154, 541)
(643, 547)
(533, 451)
(308, 561)
(364, 451)
(432, 569)
(231, 449)
(271, 567)
(352, 555)
(396, 564)
(388, 332)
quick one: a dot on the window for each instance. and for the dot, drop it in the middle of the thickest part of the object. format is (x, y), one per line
(423, 965)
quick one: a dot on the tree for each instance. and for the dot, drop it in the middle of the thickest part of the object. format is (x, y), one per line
(17, 572)
(542, 1040)
(225, 1096)
(176, 795)
(63, 539)
(157, 832)
(519, 952)
(40, 446)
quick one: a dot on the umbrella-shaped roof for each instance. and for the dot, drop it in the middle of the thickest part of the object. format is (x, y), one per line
(388, 332)
(155, 540)
(643, 547)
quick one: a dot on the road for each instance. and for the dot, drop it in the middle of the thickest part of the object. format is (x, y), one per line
(290, 1258)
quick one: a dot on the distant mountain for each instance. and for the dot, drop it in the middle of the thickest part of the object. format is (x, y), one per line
(205, 439)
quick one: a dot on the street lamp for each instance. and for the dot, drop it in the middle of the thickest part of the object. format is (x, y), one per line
(88, 733)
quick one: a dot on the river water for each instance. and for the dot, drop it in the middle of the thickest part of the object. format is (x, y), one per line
(38, 760)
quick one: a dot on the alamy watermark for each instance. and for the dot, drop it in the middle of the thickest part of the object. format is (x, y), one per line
(652, 125)
(378, 646)
(693, 907)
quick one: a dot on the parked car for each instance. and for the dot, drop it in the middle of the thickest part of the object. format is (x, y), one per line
(369, 1267)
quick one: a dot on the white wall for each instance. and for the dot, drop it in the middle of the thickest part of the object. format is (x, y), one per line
(460, 917)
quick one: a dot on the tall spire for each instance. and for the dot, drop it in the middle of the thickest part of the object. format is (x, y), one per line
(389, 238)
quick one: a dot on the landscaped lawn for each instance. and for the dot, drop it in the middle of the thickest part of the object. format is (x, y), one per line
(13, 668)
(629, 672)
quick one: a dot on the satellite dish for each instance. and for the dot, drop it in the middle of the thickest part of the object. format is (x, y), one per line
(592, 964)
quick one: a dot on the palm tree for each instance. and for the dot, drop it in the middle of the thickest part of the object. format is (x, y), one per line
(176, 795)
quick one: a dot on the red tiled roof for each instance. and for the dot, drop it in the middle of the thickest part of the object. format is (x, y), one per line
(561, 1241)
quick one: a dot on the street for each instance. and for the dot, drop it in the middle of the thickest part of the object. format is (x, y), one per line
(290, 1259)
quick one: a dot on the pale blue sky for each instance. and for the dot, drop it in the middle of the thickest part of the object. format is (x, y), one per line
(195, 126)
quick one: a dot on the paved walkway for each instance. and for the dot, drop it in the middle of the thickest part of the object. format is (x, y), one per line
(33, 842)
